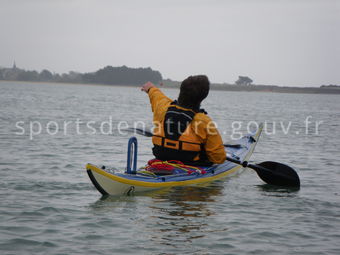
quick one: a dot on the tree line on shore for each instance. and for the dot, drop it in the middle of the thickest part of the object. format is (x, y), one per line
(122, 75)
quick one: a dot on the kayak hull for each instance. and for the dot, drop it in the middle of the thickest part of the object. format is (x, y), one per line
(109, 182)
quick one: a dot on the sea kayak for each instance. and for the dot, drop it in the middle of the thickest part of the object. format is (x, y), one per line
(109, 181)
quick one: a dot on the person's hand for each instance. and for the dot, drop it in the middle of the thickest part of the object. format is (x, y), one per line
(147, 86)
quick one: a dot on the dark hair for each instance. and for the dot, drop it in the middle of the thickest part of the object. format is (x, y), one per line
(193, 90)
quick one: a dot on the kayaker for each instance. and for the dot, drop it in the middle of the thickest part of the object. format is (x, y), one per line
(182, 130)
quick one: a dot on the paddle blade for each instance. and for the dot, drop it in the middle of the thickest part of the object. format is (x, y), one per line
(277, 174)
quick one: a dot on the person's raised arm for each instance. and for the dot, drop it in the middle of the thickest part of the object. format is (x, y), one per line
(157, 99)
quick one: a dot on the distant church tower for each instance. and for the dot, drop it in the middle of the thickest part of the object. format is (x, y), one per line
(14, 65)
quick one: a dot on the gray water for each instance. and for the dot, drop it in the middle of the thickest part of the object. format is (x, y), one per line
(49, 206)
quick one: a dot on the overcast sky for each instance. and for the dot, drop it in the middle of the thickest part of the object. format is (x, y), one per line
(288, 42)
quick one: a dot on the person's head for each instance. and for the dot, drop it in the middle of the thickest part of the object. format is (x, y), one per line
(193, 90)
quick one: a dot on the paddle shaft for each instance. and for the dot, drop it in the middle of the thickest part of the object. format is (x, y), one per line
(257, 168)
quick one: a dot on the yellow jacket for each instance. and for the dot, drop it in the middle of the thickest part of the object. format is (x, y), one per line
(205, 129)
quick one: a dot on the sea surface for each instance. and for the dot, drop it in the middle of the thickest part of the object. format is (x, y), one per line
(49, 206)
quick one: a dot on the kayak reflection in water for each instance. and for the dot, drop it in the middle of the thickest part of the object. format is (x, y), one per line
(182, 130)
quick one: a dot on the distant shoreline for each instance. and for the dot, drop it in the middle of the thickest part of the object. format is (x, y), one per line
(271, 89)
(265, 88)
(135, 77)
(215, 87)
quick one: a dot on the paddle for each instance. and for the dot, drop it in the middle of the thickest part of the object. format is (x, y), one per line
(273, 173)
(140, 131)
